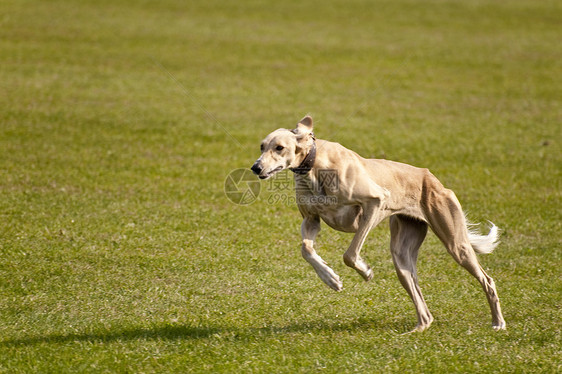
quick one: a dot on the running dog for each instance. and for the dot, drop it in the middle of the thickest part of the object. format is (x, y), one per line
(353, 194)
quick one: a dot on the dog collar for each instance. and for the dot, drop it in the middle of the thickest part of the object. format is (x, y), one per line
(308, 162)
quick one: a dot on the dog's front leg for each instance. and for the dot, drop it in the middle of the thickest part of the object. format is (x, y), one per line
(372, 216)
(309, 229)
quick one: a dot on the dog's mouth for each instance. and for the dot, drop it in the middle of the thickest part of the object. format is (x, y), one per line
(270, 173)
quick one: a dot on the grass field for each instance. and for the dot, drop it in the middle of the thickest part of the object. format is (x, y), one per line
(120, 120)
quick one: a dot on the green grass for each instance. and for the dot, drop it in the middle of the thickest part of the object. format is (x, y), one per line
(120, 121)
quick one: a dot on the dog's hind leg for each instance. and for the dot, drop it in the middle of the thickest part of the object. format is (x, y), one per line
(309, 229)
(407, 235)
(447, 220)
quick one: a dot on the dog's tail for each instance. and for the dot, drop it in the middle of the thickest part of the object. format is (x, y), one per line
(483, 243)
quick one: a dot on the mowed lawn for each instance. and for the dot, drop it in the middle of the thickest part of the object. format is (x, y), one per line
(121, 120)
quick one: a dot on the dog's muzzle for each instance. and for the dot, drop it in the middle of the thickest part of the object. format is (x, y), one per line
(264, 174)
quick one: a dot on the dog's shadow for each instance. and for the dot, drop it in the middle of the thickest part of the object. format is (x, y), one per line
(166, 332)
(186, 333)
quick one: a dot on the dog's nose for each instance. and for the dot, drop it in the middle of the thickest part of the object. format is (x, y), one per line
(256, 168)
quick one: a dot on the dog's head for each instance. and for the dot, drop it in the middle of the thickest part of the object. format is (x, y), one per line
(284, 149)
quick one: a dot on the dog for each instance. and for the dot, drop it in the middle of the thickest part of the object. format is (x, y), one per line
(353, 194)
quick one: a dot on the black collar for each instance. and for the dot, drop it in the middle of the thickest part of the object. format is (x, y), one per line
(308, 162)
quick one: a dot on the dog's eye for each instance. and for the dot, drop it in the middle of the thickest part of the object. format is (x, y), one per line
(261, 147)
(279, 148)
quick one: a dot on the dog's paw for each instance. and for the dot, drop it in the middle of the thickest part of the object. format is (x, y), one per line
(336, 285)
(418, 329)
(367, 275)
(361, 267)
(332, 280)
(498, 326)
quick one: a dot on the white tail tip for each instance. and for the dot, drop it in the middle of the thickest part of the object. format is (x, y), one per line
(484, 243)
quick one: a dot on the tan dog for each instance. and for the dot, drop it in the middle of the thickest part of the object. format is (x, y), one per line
(353, 194)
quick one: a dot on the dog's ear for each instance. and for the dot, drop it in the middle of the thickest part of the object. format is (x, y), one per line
(306, 122)
(304, 127)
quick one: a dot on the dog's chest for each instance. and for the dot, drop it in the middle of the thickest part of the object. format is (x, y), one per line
(321, 197)
(323, 182)
(316, 190)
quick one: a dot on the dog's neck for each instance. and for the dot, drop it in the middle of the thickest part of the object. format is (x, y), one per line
(308, 163)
